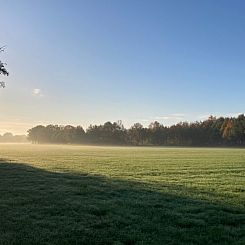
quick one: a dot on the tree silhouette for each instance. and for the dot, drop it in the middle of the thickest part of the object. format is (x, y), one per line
(3, 70)
(211, 132)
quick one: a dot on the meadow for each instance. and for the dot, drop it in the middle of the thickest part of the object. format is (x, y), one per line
(63, 194)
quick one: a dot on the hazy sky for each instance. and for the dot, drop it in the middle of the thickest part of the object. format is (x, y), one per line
(82, 62)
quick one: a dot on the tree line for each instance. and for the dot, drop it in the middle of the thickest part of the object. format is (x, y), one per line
(10, 138)
(214, 131)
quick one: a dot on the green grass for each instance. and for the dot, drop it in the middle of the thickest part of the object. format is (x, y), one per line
(121, 195)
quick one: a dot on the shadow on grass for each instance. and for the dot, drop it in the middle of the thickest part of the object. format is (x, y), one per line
(41, 207)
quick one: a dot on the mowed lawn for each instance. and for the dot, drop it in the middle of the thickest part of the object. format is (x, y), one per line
(59, 194)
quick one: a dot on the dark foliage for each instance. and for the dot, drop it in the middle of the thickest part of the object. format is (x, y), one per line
(211, 132)
(3, 70)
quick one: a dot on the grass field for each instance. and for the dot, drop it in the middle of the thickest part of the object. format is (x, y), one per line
(121, 195)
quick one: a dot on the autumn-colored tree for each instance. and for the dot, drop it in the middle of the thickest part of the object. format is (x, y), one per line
(211, 132)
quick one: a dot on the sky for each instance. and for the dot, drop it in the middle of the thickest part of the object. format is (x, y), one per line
(88, 62)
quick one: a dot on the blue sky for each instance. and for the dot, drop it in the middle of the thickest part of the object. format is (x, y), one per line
(82, 62)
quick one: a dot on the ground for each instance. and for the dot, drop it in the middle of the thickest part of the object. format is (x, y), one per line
(56, 194)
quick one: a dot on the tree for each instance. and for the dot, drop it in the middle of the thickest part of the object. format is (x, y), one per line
(108, 133)
(157, 133)
(3, 70)
(211, 132)
(137, 134)
(37, 134)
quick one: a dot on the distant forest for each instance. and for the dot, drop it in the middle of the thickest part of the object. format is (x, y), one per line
(228, 131)
(10, 138)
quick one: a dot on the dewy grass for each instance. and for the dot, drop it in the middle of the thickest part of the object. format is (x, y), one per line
(121, 195)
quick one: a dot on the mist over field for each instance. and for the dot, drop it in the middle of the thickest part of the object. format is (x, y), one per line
(10, 138)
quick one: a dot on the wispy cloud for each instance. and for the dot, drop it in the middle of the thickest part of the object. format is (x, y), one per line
(167, 119)
(37, 92)
(178, 114)
(204, 117)
(144, 120)
(173, 117)
(219, 114)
